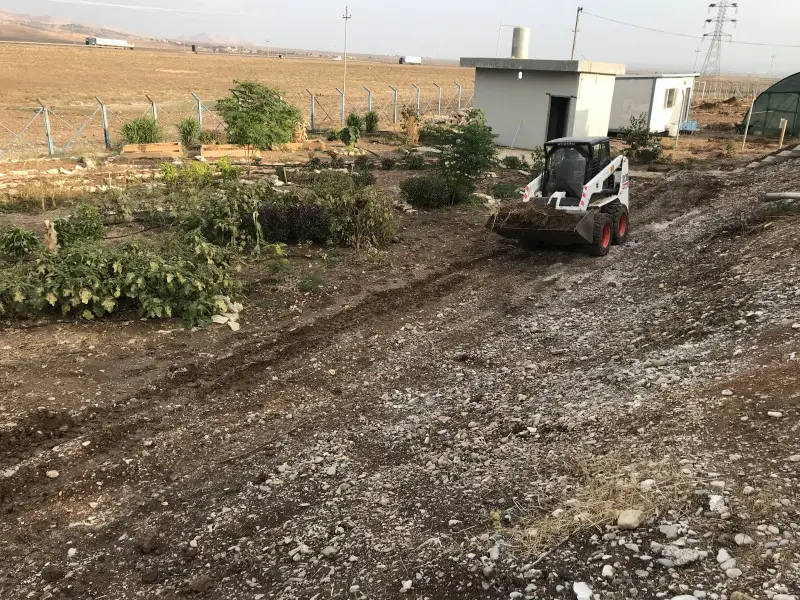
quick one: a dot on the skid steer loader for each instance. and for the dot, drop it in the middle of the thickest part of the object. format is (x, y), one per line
(580, 198)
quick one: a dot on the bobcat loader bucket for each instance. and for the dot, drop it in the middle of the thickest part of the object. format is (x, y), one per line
(531, 225)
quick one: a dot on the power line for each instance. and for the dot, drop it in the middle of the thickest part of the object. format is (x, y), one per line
(147, 8)
(686, 35)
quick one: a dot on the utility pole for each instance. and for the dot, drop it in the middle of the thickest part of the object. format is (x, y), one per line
(772, 65)
(713, 63)
(575, 37)
(696, 58)
(347, 16)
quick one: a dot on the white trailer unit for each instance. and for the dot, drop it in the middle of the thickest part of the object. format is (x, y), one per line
(665, 99)
(108, 43)
(410, 60)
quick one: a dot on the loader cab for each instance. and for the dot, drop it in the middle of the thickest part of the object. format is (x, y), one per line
(570, 163)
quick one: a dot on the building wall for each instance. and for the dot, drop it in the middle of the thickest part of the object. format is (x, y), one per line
(632, 97)
(593, 108)
(512, 105)
(662, 117)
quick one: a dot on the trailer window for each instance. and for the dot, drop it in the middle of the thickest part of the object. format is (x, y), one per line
(669, 98)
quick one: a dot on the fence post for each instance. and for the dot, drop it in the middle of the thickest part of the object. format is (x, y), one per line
(747, 126)
(104, 121)
(199, 110)
(439, 109)
(416, 87)
(47, 131)
(341, 93)
(458, 85)
(152, 107)
(310, 93)
(369, 98)
(395, 104)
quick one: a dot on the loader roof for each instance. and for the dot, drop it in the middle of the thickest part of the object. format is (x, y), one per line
(579, 140)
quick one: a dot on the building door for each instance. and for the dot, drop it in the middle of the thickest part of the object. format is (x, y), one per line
(558, 118)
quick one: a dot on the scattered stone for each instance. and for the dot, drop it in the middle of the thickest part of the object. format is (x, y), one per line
(647, 485)
(150, 575)
(794, 458)
(582, 591)
(723, 556)
(52, 474)
(742, 539)
(717, 504)
(328, 551)
(733, 573)
(669, 531)
(51, 573)
(608, 572)
(406, 585)
(727, 392)
(630, 519)
(740, 596)
(680, 556)
(775, 414)
(748, 490)
(201, 584)
(234, 325)
(219, 319)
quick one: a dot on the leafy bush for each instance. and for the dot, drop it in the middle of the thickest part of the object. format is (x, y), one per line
(514, 162)
(334, 135)
(189, 130)
(256, 115)
(470, 154)
(362, 219)
(362, 163)
(371, 121)
(388, 163)
(350, 136)
(506, 191)
(213, 137)
(333, 183)
(415, 161)
(337, 162)
(227, 170)
(144, 130)
(293, 219)
(355, 120)
(364, 178)
(85, 225)
(169, 174)
(537, 162)
(643, 145)
(183, 276)
(431, 191)
(192, 176)
(19, 243)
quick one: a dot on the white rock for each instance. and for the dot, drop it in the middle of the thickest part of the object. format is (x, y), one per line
(219, 319)
(608, 572)
(670, 531)
(234, 325)
(727, 393)
(723, 555)
(775, 414)
(52, 474)
(794, 458)
(406, 585)
(680, 556)
(784, 597)
(72, 552)
(742, 539)
(647, 485)
(733, 573)
(494, 553)
(328, 551)
(728, 564)
(582, 591)
(630, 519)
(716, 504)
(685, 597)
(748, 491)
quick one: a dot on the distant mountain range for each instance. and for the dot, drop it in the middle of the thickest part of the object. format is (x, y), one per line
(43, 29)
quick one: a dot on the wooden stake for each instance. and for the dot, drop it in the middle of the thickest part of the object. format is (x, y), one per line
(784, 124)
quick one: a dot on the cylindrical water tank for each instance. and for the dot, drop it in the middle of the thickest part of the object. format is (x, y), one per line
(521, 42)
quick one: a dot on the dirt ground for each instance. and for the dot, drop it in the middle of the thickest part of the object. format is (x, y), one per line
(451, 418)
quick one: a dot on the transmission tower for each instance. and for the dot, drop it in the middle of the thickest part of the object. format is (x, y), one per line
(713, 63)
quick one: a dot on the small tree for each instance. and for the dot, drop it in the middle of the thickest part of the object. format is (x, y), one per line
(642, 145)
(469, 154)
(144, 130)
(256, 115)
(371, 121)
(355, 120)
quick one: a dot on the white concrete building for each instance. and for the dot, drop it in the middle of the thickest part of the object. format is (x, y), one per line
(665, 99)
(528, 102)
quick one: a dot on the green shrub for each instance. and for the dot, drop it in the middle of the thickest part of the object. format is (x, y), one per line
(19, 243)
(337, 162)
(333, 183)
(537, 162)
(364, 178)
(514, 162)
(468, 157)
(642, 145)
(213, 137)
(169, 174)
(189, 130)
(350, 136)
(362, 219)
(182, 276)
(256, 115)
(355, 120)
(388, 163)
(371, 122)
(144, 130)
(334, 135)
(85, 225)
(415, 161)
(506, 191)
(431, 191)
(227, 170)
(362, 163)
(195, 175)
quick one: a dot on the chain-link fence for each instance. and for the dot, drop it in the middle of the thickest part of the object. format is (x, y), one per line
(95, 126)
(709, 90)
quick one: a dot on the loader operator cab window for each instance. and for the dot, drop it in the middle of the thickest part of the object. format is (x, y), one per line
(565, 171)
(601, 157)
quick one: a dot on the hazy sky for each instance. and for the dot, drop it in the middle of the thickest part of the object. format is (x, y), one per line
(454, 28)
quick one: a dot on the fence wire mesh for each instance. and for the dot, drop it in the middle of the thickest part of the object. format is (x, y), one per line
(79, 128)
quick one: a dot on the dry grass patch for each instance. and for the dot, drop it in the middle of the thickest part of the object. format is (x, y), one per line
(603, 486)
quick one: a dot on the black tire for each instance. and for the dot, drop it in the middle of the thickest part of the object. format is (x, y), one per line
(603, 234)
(620, 223)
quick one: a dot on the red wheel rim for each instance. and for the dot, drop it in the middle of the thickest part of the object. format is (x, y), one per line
(606, 239)
(623, 225)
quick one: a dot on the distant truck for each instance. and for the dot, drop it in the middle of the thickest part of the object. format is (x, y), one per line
(108, 43)
(410, 60)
